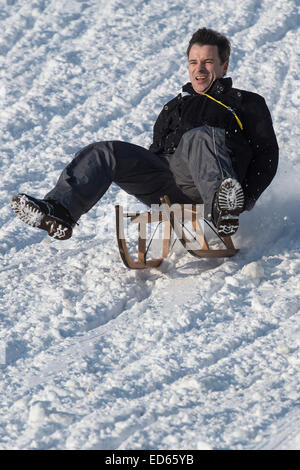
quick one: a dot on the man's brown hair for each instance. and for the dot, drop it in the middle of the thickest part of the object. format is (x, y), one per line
(205, 36)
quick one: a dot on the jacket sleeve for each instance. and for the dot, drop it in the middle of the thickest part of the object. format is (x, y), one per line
(263, 165)
(159, 133)
(165, 127)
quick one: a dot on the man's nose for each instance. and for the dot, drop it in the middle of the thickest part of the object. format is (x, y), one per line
(202, 67)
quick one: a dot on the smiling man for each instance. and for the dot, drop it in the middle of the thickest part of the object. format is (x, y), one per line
(205, 66)
(212, 144)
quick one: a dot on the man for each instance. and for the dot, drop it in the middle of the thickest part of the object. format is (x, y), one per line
(212, 144)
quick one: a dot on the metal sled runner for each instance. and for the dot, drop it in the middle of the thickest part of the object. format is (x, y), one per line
(175, 218)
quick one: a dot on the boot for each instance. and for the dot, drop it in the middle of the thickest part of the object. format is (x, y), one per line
(227, 206)
(44, 214)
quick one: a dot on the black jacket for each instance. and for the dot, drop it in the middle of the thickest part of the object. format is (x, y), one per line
(253, 150)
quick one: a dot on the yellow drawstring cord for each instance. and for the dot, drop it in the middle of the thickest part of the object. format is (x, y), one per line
(227, 107)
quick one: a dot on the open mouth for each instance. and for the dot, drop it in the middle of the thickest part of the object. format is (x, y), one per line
(201, 78)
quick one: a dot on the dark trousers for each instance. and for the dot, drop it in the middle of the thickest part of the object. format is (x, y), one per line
(191, 175)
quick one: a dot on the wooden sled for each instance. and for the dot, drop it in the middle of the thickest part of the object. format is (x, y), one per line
(172, 216)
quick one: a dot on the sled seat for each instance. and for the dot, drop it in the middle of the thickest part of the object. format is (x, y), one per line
(173, 217)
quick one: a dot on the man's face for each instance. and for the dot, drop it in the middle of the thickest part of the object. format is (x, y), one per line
(205, 67)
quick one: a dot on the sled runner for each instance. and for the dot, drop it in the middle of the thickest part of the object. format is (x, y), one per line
(141, 219)
(175, 219)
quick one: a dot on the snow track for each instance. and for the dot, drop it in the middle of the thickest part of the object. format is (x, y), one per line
(193, 355)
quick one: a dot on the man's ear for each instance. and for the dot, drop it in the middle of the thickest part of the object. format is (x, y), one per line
(225, 67)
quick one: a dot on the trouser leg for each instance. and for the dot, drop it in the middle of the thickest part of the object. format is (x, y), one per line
(201, 162)
(135, 169)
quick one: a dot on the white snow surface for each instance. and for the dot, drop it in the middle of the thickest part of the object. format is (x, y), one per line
(196, 354)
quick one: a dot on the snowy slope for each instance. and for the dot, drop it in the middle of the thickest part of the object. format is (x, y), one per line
(193, 355)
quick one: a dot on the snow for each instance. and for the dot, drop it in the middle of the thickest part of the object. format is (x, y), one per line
(196, 354)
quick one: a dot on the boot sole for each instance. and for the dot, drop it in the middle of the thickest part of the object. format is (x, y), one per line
(230, 204)
(32, 215)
